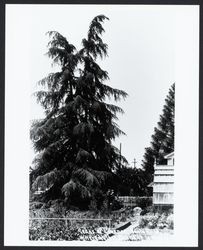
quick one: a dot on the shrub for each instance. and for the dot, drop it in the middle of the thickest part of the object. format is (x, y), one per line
(116, 205)
(52, 231)
(143, 202)
(104, 208)
(58, 230)
(162, 221)
(166, 209)
(123, 219)
(146, 210)
(93, 205)
(57, 206)
(158, 220)
(36, 205)
(150, 221)
(143, 222)
(170, 222)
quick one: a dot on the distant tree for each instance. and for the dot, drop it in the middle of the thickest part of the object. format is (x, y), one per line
(148, 164)
(131, 181)
(74, 140)
(163, 138)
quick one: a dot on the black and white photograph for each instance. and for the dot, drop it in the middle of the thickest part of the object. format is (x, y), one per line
(103, 139)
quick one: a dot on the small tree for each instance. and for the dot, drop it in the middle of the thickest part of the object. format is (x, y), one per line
(74, 140)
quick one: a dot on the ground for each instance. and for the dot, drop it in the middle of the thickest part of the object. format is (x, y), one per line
(121, 225)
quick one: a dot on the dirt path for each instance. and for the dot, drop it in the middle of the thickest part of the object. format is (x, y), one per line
(133, 233)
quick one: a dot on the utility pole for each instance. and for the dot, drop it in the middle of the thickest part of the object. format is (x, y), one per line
(120, 155)
(134, 162)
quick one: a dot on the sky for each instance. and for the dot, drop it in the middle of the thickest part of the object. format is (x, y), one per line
(140, 60)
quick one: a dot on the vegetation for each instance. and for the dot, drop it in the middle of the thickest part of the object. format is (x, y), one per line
(83, 226)
(131, 181)
(163, 138)
(76, 156)
(58, 230)
(157, 220)
(134, 181)
(78, 173)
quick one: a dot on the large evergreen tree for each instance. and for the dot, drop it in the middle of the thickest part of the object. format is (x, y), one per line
(162, 142)
(74, 140)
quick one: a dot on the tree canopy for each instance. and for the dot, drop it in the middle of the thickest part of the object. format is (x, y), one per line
(162, 142)
(131, 181)
(75, 154)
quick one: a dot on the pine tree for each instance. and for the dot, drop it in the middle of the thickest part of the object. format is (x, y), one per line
(163, 138)
(74, 140)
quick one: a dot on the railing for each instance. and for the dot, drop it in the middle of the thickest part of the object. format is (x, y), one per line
(163, 179)
(163, 172)
(164, 167)
(127, 198)
(134, 201)
(132, 198)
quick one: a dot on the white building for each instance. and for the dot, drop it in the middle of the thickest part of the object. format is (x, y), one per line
(163, 183)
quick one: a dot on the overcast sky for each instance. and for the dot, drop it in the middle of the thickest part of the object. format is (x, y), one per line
(141, 59)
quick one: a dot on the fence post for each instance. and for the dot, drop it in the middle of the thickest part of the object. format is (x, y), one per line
(109, 224)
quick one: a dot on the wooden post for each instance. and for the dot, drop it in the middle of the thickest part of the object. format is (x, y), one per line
(109, 224)
(120, 155)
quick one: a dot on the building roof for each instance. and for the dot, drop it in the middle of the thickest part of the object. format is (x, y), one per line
(168, 156)
(150, 184)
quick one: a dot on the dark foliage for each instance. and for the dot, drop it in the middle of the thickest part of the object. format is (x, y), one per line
(162, 142)
(131, 182)
(74, 140)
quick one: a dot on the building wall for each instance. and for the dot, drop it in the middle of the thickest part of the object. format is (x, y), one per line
(163, 183)
(163, 198)
(171, 161)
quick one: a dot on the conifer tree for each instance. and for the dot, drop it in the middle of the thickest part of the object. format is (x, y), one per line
(163, 138)
(74, 140)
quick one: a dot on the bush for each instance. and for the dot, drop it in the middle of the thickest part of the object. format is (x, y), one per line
(162, 221)
(143, 222)
(104, 208)
(158, 220)
(58, 230)
(116, 205)
(147, 210)
(149, 221)
(57, 206)
(123, 219)
(36, 205)
(143, 202)
(93, 205)
(54, 230)
(170, 221)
